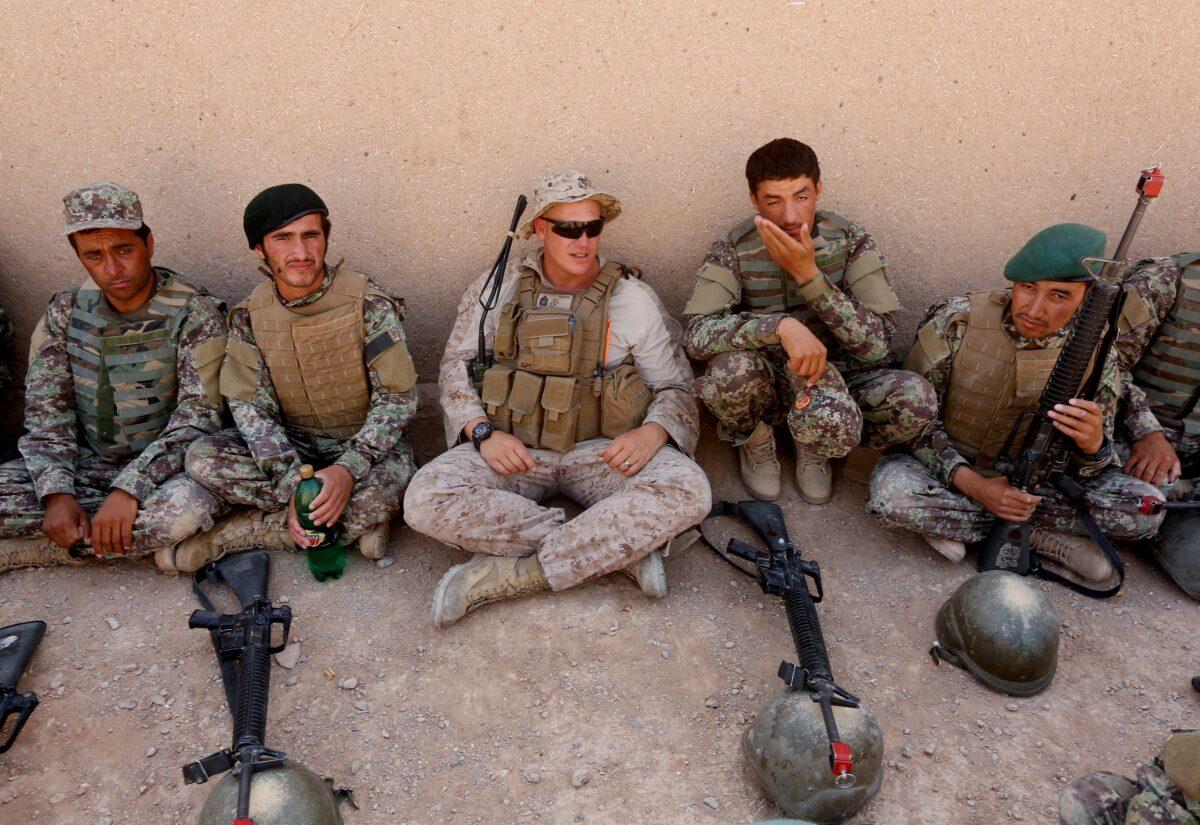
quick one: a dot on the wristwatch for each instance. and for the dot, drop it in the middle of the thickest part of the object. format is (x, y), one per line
(480, 433)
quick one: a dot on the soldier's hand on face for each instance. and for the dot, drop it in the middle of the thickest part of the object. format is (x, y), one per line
(806, 353)
(1153, 460)
(629, 452)
(65, 522)
(996, 495)
(797, 258)
(336, 486)
(1082, 422)
(506, 454)
(112, 526)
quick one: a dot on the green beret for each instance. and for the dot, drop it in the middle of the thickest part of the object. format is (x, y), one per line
(1056, 254)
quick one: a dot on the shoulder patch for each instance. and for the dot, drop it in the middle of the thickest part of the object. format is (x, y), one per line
(928, 350)
(716, 289)
(866, 278)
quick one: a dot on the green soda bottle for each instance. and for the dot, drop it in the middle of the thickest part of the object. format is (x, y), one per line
(327, 558)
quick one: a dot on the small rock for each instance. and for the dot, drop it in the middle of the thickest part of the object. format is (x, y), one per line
(58, 797)
(532, 775)
(900, 766)
(127, 705)
(580, 777)
(906, 751)
(360, 706)
(151, 751)
(711, 702)
(66, 619)
(711, 801)
(350, 683)
(113, 623)
(291, 681)
(929, 749)
(386, 561)
(1012, 707)
(56, 682)
(727, 645)
(385, 734)
(354, 766)
(288, 657)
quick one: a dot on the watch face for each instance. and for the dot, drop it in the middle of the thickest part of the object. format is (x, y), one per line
(482, 430)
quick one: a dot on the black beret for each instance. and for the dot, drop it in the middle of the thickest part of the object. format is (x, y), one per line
(279, 206)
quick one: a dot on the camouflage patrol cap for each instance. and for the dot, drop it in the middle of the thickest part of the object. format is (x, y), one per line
(101, 206)
(1057, 253)
(568, 187)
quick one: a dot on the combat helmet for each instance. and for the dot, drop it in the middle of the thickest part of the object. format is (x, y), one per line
(788, 749)
(1003, 630)
(288, 795)
(1177, 549)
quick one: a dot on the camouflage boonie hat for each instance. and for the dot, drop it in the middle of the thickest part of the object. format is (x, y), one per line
(568, 187)
(101, 206)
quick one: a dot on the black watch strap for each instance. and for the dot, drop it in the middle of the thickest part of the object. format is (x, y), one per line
(481, 432)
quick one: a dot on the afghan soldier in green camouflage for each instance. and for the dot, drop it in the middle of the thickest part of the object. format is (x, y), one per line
(317, 372)
(122, 377)
(1166, 791)
(1161, 314)
(988, 356)
(794, 313)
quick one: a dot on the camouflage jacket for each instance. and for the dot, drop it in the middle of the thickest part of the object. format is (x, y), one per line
(867, 338)
(52, 443)
(948, 321)
(278, 448)
(1152, 286)
(650, 335)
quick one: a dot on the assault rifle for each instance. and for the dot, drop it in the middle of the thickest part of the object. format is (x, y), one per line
(243, 643)
(783, 572)
(1045, 451)
(492, 286)
(17, 645)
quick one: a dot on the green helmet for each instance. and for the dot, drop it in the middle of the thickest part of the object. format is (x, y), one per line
(1001, 628)
(1177, 549)
(288, 795)
(788, 749)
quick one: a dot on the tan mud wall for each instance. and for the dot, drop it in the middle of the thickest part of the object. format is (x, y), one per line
(952, 131)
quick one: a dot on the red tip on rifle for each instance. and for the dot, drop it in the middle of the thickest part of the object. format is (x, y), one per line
(243, 822)
(842, 761)
(1150, 505)
(1151, 182)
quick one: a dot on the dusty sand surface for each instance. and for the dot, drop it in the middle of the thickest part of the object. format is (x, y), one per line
(490, 720)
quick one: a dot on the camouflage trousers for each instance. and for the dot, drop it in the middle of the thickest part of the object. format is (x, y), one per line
(223, 464)
(1102, 798)
(175, 510)
(905, 494)
(460, 500)
(877, 407)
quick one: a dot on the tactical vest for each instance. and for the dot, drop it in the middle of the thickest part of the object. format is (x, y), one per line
(124, 366)
(766, 287)
(548, 385)
(992, 382)
(1169, 370)
(315, 355)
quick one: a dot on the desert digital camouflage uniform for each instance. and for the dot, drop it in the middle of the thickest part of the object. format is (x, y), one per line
(70, 449)
(1104, 798)
(1152, 288)
(258, 462)
(850, 306)
(460, 500)
(913, 492)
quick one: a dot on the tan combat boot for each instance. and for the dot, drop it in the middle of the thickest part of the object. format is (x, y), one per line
(35, 552)
(952, 549)
(244, 530)
(485, 579)
(649, 573)
(1078, 554)
(758, 464)
(373, 544)
(814, 477)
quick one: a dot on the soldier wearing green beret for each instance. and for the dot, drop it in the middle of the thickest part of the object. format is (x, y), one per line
(988, 356)
(122, 377)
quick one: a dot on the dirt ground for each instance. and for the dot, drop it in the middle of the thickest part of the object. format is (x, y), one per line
(489, 721)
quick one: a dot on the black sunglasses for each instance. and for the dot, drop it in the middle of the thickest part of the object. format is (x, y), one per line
(573, 229)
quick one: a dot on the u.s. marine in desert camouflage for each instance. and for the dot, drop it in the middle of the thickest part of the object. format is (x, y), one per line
(320, 375)
(793, 314)
(589, 396)
(122, 377)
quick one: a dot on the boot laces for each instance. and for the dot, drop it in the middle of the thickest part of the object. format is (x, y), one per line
(761, 453)
(1057, 546)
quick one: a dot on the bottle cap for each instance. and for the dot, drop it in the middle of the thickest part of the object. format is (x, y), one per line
(306, 471)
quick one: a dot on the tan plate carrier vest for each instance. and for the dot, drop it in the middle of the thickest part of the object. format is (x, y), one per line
(124, 370)
(1169, 370)
(992, 382)
(548, 386)
(767, 288)
(315, 355)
